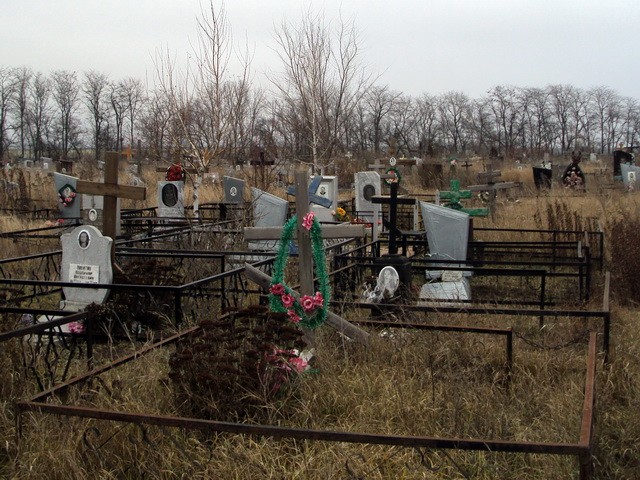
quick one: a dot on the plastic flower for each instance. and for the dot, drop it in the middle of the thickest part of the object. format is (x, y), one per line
(318, 299)
(341, 211)
(277, 289)
(76, 327)
(293, 316)
(308, 303)
(307, 221)
(298, 364)
(287, 300)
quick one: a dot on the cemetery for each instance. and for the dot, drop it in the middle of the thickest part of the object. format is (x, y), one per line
(425, 330)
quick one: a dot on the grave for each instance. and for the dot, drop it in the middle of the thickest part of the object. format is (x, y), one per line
(448, 238)
(171, 199)
(453, 197)
(66, 189)
(268, 211)
(233, 190)
(92, 211)
(630, 176)
(328, 189)
(368, 185)
(306, 257)
(86, 259)
(491, 187)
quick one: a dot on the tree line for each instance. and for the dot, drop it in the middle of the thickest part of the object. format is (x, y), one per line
(323, 104)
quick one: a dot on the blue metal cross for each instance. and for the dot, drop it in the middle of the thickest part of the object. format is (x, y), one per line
(313, 197)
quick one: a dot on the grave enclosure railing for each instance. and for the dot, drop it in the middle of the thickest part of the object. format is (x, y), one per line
(49, 402)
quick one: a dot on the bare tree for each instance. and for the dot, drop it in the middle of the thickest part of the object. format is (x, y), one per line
(38, 113)
(322, 80)
(7, 93)
(205, 99)
(95, 96)
(23, 80)
(154, 125)
(453, 109)
(379, 102)
(133, 93)
(65, 90)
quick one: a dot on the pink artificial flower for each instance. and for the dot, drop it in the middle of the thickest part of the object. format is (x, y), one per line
(287, 300)
(308, 303)
(277, 289)
(318, 299)
(76, 328)
(68, 199)
(307, 222)
(298, 364)
(293, 316)
(72, 195)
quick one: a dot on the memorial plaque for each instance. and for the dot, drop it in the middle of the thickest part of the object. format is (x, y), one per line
(86, 258)
(171, 199)
(65, 186)
(368, 185)
(233, 190)
(328, 189)
(630, 174)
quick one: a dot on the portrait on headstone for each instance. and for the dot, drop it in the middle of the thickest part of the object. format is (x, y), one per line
(84, 239)
(170, 195)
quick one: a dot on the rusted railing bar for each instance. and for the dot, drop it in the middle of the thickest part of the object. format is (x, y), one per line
(307, 434)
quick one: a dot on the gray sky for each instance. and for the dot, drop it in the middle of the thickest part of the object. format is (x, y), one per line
(416, 46)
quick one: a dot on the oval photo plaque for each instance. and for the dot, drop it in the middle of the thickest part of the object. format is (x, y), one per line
(170, 195)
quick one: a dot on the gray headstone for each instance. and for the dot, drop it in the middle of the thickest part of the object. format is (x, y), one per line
(92, 211)
(268, 211)
(86, 258)
(368, 184)
(328, 189)
(456, 290)
(233, 190)
(170, 199)
(447, 231)
(630, 176)
(66, 184)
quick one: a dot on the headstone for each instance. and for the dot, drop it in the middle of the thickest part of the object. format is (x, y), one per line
(593, 157)
(368, 185)
(445, 290)
(86, 258)
(92, 211)
(233, 190)
(171, 199)
(65, 186)
(447, 233)
(268, 211)
(328, 189)
(630, 176)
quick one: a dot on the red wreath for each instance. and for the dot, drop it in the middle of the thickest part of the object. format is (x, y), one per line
(175, 173)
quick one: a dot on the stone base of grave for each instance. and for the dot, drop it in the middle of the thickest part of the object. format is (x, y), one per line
(402, 266)
(437, 293)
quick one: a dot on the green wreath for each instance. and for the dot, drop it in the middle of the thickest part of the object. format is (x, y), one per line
(309, 311)
(397, 177)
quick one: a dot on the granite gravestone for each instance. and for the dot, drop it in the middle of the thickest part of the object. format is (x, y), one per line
(233, 190)
(368, 185)
(171, 199)
(92, 211)
(268, 211)
(66, 187)
(328, 189)
(86, 258)
(630, 176)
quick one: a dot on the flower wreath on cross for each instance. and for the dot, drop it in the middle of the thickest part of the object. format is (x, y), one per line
(175, 173)
(309, 311)
(396, 176)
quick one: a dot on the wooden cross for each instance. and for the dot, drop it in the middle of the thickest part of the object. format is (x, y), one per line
(393, 162)
(489, 175)
(305, 256)
(454, 195)
(311, 193)
(111, 191)
(128, 152)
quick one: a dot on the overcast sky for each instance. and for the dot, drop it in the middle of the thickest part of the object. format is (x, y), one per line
(417, 46)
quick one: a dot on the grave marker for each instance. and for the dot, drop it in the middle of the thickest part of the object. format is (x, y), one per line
(368, 185)
(233, 190)
(171, 199)
(268, 211)
(305, 257)
(454, 195)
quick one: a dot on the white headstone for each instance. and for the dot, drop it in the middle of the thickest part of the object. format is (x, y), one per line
(447, 232)
(92, 211)
(368, 184)
(170, 199)
(268, 211)
(233, 190)
(328, 188)
(629, 175)
(457, 290)
(86, 258)
(65, 186)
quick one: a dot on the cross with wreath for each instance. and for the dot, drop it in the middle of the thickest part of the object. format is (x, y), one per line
(309, 307)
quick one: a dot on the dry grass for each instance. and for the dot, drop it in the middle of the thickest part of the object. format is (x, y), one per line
(412, 383)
